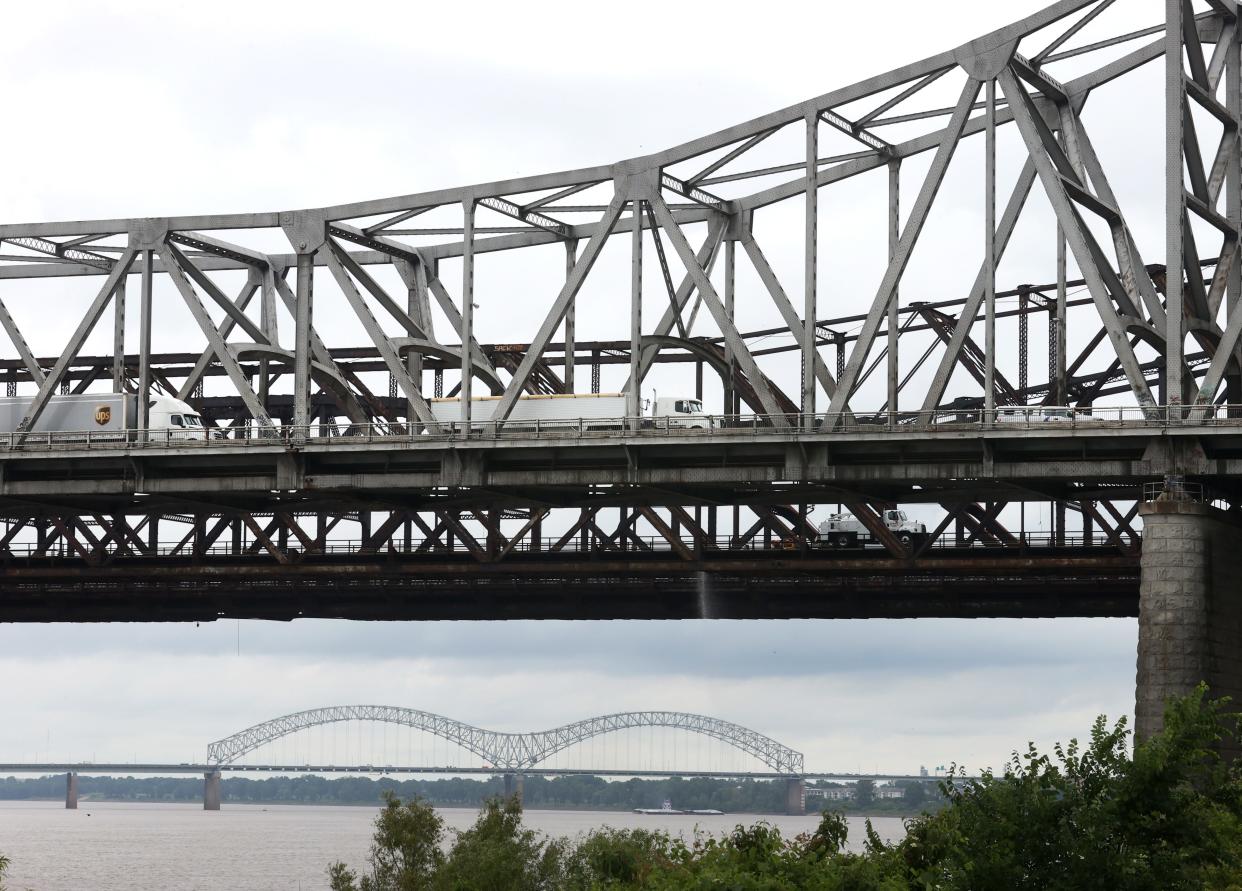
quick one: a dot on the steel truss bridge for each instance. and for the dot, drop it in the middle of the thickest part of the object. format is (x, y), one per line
(508, 751)
(333, 490)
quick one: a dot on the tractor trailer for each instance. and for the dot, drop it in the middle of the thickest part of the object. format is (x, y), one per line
(586, 411)
(103, 416)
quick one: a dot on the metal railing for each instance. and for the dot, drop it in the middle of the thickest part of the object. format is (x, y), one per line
(1174, 488)
(1048, 418)
(547, 546)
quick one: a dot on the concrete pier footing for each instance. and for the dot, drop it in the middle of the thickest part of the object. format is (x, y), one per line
(71, 791)
(1190, 609)
(795, 796)
(211, 791)
(514, 785)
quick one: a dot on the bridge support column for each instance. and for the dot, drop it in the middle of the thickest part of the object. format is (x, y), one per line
(514, 784)
(211, 791)
(795, 796)
(1190, 609)
(71, 791)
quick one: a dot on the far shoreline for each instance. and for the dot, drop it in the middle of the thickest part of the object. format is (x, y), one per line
(83, 801)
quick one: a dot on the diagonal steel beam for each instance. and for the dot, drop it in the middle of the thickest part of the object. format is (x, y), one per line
(331, 252)
(557, 313)
(901, 256)
(83, 331)
(705, 257)
(785, 307)
(226, 327)
(319, 353)
(1076, 234)
(232, 368)
(19, 343)
(741, 353)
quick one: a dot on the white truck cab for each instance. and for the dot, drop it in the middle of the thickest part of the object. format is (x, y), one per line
(844, 531)
(178, 418)
(681, 411)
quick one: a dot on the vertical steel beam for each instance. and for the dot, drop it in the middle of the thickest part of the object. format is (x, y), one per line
(144, 343)
(1081, 242)
(894, 235)
(267, 322)
(557, 313)
(1233, 185)
(118, 338)
(811, 261)
(730, 270)
(467, 308)
(571, 257)
(905, 246)
(633, 402)
(303, 314)
(989, 214)
(1175, 204)
(708, 295)
(1058, 338)
(419, 308)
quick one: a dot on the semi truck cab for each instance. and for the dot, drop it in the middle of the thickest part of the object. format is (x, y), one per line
(177, 417)
(681, 412)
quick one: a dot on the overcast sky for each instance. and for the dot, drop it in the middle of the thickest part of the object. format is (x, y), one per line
(153, 108)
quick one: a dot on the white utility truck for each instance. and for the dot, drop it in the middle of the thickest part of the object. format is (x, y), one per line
(575, 411)
(844, 530)
(103, 417)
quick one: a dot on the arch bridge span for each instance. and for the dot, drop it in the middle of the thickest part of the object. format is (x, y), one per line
(509, 751)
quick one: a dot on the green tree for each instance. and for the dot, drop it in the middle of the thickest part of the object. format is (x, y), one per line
(4, 867)
(498, 852)
(864, 792)
(1170, 817)
(406, 850)
(616, 858)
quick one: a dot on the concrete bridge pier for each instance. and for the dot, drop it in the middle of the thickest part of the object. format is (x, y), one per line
(795, 796)
(514, 785)
(1190, 607)
(71, 791)
(211, 791)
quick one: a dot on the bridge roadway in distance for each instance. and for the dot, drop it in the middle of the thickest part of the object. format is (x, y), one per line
(122, 769)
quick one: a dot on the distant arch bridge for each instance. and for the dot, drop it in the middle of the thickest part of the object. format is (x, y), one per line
(509, 751)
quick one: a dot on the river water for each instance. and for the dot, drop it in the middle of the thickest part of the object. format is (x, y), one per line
(144, 847)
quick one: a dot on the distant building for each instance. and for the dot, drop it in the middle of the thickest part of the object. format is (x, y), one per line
(889, 792)
(830, 793)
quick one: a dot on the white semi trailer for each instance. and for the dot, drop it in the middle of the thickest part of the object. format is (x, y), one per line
(586, 411)
(103, 416)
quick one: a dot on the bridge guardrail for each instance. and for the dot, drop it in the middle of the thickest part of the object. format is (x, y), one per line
(639, 544)
(286, 436)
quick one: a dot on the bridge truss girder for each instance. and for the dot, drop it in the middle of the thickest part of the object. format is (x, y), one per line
(510, 751)
(684, 211)
(655, 198)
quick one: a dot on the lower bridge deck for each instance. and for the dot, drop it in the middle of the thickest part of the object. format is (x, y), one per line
(1043, 579)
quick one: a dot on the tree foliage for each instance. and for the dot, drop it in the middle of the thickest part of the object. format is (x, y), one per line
(1091, 816)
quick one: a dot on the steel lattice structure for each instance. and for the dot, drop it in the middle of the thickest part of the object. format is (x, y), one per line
(653, 199)
(509, 751)
(1149, 324)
